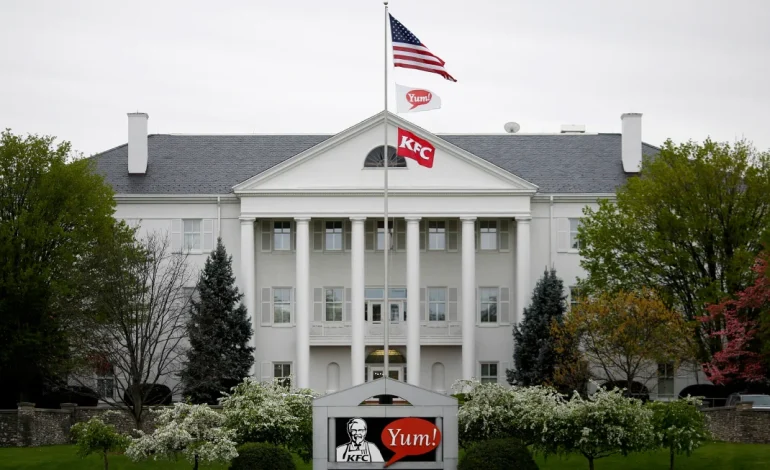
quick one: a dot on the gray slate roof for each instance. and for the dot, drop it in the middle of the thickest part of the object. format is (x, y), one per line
(213, 164)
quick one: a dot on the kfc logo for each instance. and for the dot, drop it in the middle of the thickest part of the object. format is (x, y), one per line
(411, 146)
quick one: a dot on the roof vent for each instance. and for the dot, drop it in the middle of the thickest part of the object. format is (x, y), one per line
(573, 129)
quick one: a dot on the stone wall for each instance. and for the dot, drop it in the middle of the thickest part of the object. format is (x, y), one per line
(741, 424)
(30, 426)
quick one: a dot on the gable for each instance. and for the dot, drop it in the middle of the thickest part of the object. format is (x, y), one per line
(337, 164)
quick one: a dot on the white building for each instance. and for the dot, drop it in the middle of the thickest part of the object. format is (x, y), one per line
(302, 216)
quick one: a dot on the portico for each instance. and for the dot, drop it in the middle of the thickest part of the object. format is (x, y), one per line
(330, 202)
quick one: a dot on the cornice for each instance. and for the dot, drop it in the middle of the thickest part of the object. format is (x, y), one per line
(391, 192)
(574, 197)
(176, 198)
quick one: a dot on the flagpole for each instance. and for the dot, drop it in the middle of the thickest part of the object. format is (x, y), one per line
(386, 232)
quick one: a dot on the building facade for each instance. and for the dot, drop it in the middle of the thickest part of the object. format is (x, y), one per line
(302, 216)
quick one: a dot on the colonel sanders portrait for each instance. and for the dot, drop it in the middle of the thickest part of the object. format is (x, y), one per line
(358, 449)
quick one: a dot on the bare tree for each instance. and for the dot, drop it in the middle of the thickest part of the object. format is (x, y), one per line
(138, 320)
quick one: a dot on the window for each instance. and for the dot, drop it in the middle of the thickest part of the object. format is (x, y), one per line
(574, 224)
(333, 235)
(282, 235)
(436, 304)
(105, 385)
(666, 375)
(436, 235)
(192, 234)
(281, 305)
(488, 297)
(381, 234)
(374, 158)
(574, 296)
(282, 372)
(334, 304)
(488, 234)
(489, 372)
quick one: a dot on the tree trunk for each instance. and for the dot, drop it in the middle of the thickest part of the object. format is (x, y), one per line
(195, 466)
(671, 458)
(590, 463)
(106, 464)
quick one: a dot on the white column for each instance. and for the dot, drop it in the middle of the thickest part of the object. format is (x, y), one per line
(302, 303)
(357, 283)
(247, 275)
(413, 299)
(469, 296)
(523, 285)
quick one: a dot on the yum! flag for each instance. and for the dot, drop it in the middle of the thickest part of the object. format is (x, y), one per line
(411, 146)
(412, 100)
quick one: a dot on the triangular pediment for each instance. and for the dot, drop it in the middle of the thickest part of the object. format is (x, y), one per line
(337, 165)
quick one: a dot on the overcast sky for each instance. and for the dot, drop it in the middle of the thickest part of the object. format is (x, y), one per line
(74, 68)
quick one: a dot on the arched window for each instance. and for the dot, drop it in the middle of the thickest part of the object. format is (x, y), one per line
(374, 158)
(437, 377)
(332, 377)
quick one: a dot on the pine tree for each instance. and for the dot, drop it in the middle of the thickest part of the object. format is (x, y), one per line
(219, 332)
(533, 349)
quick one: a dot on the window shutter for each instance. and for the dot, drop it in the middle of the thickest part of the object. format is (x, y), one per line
(293, 234)
(266, 371)
(452, 304)
(505, 235)
(266, 227)
(318, 305)
(423, 304)
(318, 235)
(562, 234)
(348, 231)
(400, 234)
(176, 235)
(476, 232)
(208, 234)
(370, 234)
(503, 312)
(348, 309)
(423, 234)
(452, 237)
(267, 311)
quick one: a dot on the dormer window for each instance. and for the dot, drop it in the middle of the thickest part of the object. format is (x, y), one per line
(375, 158)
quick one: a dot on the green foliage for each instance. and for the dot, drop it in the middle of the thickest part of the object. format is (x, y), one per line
(534, 357)
(52, 212)
(689, 226)
(498, 454)
(679, 426)
(262, 456)
(268, 412)
(95, 436)
(219, 331)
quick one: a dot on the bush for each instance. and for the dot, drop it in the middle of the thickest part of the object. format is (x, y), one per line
(154, 394)
(95, 436)
(497, 454)
(262, 456)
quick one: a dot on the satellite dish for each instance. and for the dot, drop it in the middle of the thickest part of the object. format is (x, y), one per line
(511, 127)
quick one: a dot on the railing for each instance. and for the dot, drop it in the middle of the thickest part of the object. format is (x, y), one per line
(397, 329)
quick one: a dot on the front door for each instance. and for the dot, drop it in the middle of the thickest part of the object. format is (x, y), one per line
(394, 372)
(374, 311)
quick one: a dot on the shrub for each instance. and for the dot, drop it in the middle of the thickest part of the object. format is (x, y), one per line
(679, 426)
(498, 454)
(95, 436)
(262, 456)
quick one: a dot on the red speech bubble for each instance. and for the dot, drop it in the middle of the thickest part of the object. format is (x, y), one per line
(418, 97)
(410, 436)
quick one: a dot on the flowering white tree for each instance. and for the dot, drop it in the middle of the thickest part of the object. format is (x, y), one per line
(603, 424)
(195, 431)
(270, 412)
(679, 426)
(492, 411)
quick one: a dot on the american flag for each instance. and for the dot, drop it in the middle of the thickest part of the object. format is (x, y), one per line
(410, 53)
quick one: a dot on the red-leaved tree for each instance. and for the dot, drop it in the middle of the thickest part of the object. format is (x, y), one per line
(741, 358)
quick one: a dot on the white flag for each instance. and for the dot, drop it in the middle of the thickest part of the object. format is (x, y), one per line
(411, 99)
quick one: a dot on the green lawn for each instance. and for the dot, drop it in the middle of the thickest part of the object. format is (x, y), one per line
(715, 456)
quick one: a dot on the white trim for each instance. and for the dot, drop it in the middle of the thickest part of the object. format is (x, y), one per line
(577, 197)
(176, 198)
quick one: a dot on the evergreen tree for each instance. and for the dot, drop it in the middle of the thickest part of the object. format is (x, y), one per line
(533, 349)
(219, 332)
